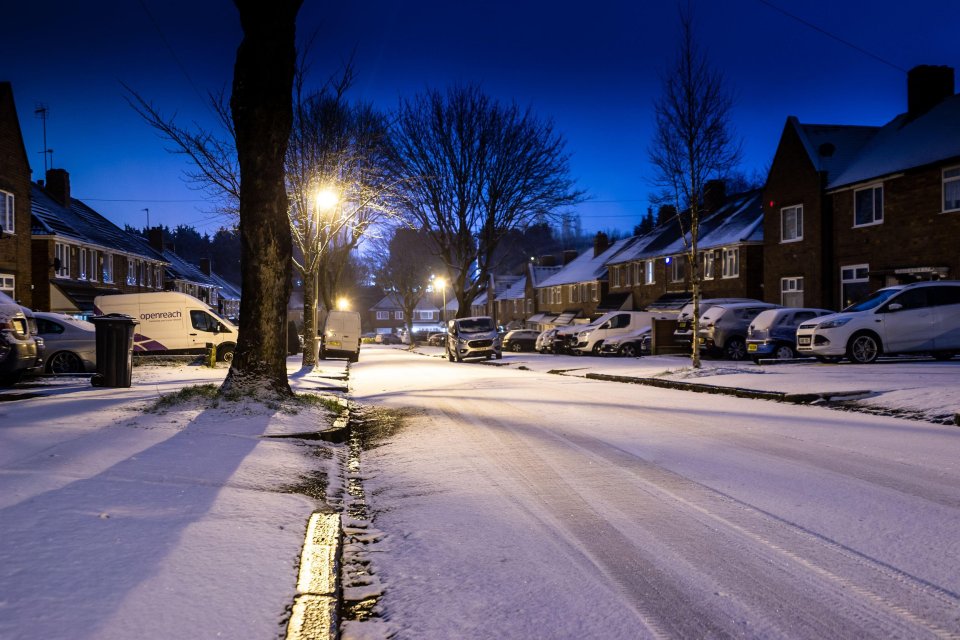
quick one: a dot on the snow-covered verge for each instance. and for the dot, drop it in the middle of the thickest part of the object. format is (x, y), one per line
(120, 518)
(915, 388)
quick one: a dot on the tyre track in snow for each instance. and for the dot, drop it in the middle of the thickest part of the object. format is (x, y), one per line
(706, 543)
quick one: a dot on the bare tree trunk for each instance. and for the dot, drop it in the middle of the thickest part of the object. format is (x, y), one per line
(311, 324)
(262, 110)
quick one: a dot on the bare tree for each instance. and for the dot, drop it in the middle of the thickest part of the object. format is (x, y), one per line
(406, 264)
(262, 116)
(339, 152)
(693, 143)
(474, 170)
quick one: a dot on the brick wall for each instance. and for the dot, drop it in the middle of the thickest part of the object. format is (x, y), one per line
(15, 179)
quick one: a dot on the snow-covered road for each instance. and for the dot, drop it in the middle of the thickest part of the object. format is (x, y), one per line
(518, 504)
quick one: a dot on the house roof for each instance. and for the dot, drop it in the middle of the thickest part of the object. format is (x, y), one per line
(391, 302)
(180, 269)
(905, 143)
(539, 274)
(80, 223)
(517, 290)
(228, 290)
(587, 267)
(830, 147)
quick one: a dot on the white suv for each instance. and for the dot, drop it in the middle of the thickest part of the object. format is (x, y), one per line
(923, 317)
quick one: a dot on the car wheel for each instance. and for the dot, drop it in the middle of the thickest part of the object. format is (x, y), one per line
(458, 357)
(225, 354)
(499, 356)
(735, 349)
(516, 347)
(64, 362)
(863, 348)
(628, 350)
(596, 348)
(784, 352)
(449, 356)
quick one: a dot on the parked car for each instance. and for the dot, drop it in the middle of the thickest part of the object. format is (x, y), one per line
(629, 345)
(37, 367)
(473, 337)
(435, 339)
(723, 327)
(922, 317)
(773, 333)
(544, 342)
(387, 338)
(520, 340)
(71, 344)
(683, 334)
(590, 339)
(18, 348)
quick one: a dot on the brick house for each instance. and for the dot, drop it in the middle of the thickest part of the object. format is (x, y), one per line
(578, 291)
(16, 278)
(655, 269)
(848, 210)
(77, 254)
(485, 304)
(388, 316)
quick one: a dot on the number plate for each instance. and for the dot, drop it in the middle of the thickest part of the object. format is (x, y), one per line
(333, 343)
(803, 340)
(751, 347)
(682, 325)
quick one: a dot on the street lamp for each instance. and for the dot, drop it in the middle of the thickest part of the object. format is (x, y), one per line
(343, 304)
(324, 200)
(440, 282)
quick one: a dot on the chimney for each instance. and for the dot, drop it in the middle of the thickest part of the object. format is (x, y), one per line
(205, 266)
(927, 86)
(155, 238)
(547, 261)
(58, 186)
(569, 255)
(666, 213)
(600, 243)
(714, 194)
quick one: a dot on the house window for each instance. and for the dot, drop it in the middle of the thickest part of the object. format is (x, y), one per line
(83, 263)
(616, 276)
(676, 268)
(854, 283)
(558, 295)
(791, 292)
(791, 224)
(8, 284)
(951, 189)
(398, 315)
(594, 292)
(731, 262)
(91, 266)
(868, 206)
(6, 212)
(158, 277)
(626, 275)
(383, 315)
(708, 265)
(576, 293)
(108, 267)
(648, 272)
(61, 255)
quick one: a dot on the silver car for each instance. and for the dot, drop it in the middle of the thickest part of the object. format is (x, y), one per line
(723, 327)
(71, 344)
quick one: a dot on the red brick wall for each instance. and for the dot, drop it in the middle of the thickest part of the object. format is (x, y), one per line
(15, 179)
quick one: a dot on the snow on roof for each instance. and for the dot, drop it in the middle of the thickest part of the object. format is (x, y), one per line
(392, 301)
(830, 147)
(539, 274)
(517, 291)
(905, 143)
(586, 267)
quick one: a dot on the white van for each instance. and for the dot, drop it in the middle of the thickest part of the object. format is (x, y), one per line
(341, 335)
(172, 323)
(616, 323)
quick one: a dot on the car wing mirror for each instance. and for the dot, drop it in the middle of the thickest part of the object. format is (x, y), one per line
(894, 306)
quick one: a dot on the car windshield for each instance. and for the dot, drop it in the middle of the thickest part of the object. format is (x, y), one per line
(873, 301)
(476, 325)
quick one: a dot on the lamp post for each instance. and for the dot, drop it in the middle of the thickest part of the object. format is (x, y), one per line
(325, 199)
(440, 282)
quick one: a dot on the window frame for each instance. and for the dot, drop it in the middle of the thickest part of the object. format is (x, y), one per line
(12, 288)
(798, 287)
(733, 272)
(63, 249)
(873, 188)
(678, 272)
(944, 180)
(797, 225)
(8, 213)
(708, 264)
(649, 272)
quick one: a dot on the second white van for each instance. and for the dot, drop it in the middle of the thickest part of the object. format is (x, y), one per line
(590, 339)
(340, 337)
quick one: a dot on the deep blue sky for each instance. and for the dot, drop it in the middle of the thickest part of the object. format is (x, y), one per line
(591, 67)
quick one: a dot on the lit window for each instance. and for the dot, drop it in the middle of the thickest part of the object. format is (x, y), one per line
(108, 267)
(868, 206)
(951, 189)
(731, 262)
(708, 265)
(791, 224)
(648, 272)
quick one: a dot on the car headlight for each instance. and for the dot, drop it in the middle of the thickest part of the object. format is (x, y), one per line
(833, 324)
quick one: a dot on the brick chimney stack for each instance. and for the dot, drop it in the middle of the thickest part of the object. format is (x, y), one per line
(58, 186)
(569, 255)
(927, 86)
(155, 238)
(714, 194)
(600, 243)
(205, 266)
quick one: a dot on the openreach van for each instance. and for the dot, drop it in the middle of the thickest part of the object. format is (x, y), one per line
(172, 323)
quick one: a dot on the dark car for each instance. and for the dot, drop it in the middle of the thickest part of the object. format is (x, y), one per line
(387, 338)
(520, 340)
(773, 333)
(436, 339)
(18, 347)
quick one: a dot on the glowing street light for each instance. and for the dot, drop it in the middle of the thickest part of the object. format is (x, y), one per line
(440, 282)
(343, 304)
